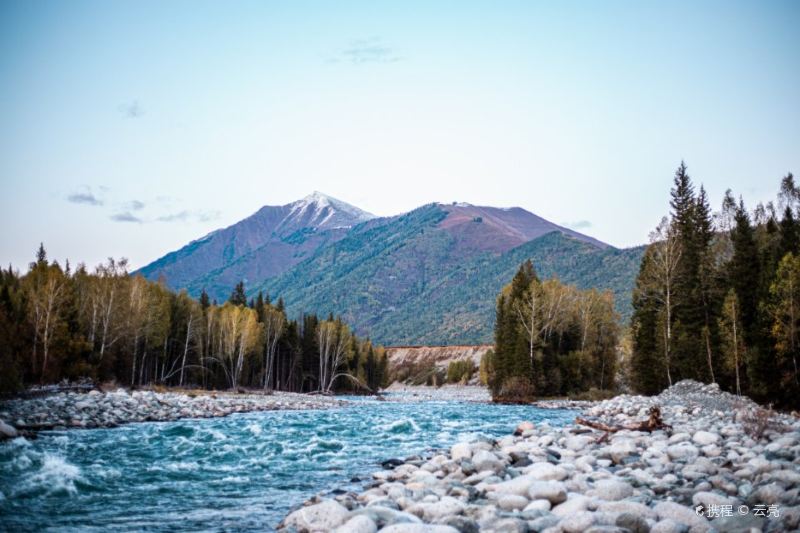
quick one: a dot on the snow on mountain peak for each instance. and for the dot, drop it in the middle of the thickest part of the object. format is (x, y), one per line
(318, 210)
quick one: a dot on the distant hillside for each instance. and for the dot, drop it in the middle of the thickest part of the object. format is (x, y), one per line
(410, 281)
(429, 276)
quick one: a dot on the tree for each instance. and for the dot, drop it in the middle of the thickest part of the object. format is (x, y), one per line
(784, 309)
(333, 339)
(274, 322)
(732, 341)
(238, 296)
(657, 282)
(46, 295)
(237, 337)
(108, 303)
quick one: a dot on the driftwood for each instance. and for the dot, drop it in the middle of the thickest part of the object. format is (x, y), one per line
(653, 423)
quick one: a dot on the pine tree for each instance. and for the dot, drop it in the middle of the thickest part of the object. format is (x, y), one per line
(691, 224)
(789, 233)
(204, 300)
(648, 370)
(744, 272)
(238, 296)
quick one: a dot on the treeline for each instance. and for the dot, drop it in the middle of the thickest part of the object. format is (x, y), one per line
(551, 339)
(717, 298)
(56, 323)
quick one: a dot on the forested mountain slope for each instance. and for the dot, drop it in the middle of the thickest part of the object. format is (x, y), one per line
(429, 276)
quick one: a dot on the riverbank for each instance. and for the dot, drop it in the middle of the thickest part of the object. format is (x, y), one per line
(446, 393)
(739, 462)
(110, 409)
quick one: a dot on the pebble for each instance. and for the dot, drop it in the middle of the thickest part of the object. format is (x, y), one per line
(561, 479)
(109, 409)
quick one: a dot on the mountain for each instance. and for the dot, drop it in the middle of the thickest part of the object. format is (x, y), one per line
(265, 244)
(429, 276)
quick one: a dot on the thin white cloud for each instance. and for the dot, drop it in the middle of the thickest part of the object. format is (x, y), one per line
(361, 51)
(579, 224)
(87, 198)
(126, 216)
(131, 109)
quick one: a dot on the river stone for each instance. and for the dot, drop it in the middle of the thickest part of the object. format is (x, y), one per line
(506, 525)
(706, 499)
(357, 524)
(620, 449)
(522, 427)
(668, 526)
(632, 523)
(512, 502)
(769, 494)
(738, 523)
(545, 472)
(704, 438)
(484, 460)
(538, 505)
(613, 490)
(553, 491)
(543, 523)
(385, 516)
(418, 528)
(7, 432)
(683, 450)
(460, 450)
(635, 508)
(447, 506)
(682, 515)
(576, 443)
(325, 515)
(461, 523)
(577, 522)
(575, 504)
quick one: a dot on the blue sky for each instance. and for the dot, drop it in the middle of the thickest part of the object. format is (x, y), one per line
(130, 128)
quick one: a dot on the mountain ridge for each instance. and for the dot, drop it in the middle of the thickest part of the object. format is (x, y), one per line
(429, 275)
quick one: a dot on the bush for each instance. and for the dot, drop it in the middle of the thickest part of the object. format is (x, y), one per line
(460, 371)
(516, 389)
(594, 395)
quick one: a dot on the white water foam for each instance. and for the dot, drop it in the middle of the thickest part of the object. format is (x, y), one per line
(56, 475)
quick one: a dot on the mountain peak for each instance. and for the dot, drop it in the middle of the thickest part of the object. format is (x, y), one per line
(325, 210)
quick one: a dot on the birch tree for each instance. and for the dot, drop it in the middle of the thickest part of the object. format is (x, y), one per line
(273, 323)
(46, 294)
(730, 328)
(333, 340)
(658, 281)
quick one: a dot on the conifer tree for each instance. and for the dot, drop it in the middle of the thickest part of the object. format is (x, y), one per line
(238, 296)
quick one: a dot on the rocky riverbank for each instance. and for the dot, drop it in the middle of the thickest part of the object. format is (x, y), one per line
(422, 393)
(109, 409)
(725, 465)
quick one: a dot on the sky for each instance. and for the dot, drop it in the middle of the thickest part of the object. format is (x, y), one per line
(128, 129)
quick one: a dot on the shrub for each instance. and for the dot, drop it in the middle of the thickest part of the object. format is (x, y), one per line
(594, 395)
(516, 389)
(460, 371)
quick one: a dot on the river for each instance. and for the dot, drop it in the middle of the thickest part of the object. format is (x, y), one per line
(243, 472)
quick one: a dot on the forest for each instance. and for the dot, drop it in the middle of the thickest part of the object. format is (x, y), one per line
(551, 339)
(717, 297)
(58, 324)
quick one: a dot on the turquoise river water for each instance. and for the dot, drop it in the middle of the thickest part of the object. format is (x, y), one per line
(239, 473)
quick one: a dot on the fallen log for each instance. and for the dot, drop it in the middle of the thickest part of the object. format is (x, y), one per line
(653, 423)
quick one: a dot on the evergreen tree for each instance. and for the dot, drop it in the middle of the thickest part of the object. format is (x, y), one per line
(238, 296)
(204, 300)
